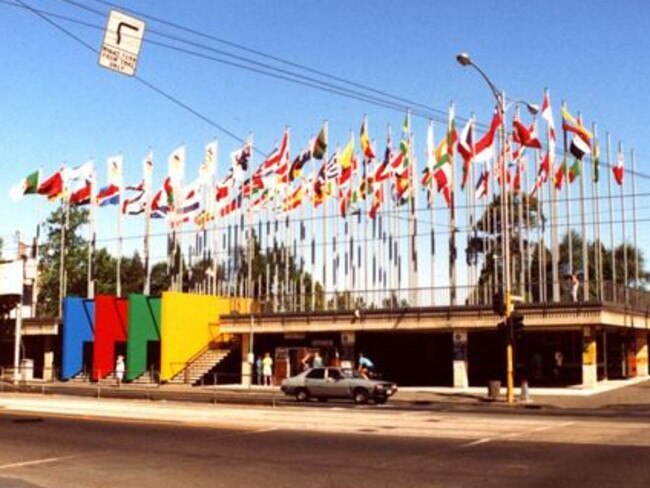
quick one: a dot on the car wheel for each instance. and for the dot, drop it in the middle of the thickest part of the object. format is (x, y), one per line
(302, 395)
(360, 396)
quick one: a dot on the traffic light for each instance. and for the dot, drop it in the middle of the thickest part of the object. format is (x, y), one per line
(499, 304)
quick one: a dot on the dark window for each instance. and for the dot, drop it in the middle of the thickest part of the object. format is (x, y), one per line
(334, 374)
(316, 374)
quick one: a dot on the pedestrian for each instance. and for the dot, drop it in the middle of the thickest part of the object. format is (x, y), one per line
(119, 369)
(365, 365)
(559, 360)
(575, 285)
(317, 362)
(267, 369)
(258, 370)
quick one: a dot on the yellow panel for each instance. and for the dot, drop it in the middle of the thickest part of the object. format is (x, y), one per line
(189, 323)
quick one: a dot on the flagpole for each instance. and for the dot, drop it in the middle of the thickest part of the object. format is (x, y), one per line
(595, 180)
(555, 250)
(583, 228)
(452, 209)
(91, 235)
(611, 215)
(431, 147)
(634, 221)
(624, 235)
(65, 206)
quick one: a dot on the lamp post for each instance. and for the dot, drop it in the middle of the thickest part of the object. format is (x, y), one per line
(502, 106)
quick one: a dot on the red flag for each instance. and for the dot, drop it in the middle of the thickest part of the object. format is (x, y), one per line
(526, 136)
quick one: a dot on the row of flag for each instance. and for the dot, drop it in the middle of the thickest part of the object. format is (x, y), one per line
(280, 184)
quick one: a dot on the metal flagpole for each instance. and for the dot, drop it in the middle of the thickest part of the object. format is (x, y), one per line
(147, 177)
(65, 215)
(412, 220)
(624, 235)
(431, 148)
(595, 184)
(634, 221)
(583, 228)
(567, 199)
(611, 214)
(555, 250)
(452, 209)
(91, 234)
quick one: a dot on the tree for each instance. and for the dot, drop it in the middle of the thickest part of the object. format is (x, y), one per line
(75, 259)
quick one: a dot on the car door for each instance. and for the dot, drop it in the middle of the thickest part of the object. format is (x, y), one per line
(336, 384)
(315, 382)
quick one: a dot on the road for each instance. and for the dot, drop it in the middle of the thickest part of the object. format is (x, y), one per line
(186, 446)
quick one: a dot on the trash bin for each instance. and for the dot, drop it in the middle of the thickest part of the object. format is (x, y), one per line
(27, 369)
(494, 389)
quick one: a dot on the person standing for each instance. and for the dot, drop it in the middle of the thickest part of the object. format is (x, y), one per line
(258, 370)
(365, 365)
(317, 362)
(267, 369)
(120, 367)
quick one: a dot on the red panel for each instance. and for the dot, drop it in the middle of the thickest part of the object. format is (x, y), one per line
(111, 318)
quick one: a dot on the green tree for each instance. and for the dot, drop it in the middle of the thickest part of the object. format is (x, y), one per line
(75, 259)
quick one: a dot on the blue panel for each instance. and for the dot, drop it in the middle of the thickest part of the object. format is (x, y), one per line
(78, 327)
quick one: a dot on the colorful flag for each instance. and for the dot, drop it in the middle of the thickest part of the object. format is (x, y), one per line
(159, 209)
(82, 196)
(347, 163)
(547, 115)
(222, 190)
(574, 170)
(595, 159)
(29, 186)
(618, 170)
(240, 160)
(364, 140)
(296, 166)
(53, 186)
(542, 173)
(481, 188)
(109, 195)
(191, 200)
(559, 175)
(377, 201)
(484, 148)
(466, 149)
(570, 124)
(320, 143)
(136, 204)
(526, 136)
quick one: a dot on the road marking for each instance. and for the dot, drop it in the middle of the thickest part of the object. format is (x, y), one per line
(34, 462)
(476, 443)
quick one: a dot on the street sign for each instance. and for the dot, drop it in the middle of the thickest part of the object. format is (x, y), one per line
(122, 42)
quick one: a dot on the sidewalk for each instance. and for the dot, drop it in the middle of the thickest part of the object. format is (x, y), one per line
(611, 397)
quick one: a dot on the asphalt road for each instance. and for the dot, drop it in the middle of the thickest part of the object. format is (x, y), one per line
(49, 451)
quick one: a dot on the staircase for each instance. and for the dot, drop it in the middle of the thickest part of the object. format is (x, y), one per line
(145, 378)
(82, 377)
(196, 369)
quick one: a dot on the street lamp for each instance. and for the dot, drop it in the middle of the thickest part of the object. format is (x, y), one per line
(465, 60)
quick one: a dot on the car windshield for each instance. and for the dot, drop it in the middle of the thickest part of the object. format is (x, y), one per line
(350, 373)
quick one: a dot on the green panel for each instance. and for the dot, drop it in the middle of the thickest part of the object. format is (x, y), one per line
(144, 326)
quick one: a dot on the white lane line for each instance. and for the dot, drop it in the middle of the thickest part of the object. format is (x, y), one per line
(476, 443)
(34, 462)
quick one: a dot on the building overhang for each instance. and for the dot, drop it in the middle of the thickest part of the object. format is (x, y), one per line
(472, 318)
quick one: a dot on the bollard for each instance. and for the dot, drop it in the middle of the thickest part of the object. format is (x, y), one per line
(525, 396)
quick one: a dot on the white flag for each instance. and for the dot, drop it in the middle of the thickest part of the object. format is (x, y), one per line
(84, 172)
(209, 164)
(176, 166)
(147, 171)
(115, 164)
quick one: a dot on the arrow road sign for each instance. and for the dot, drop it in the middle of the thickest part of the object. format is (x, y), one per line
(122, 42)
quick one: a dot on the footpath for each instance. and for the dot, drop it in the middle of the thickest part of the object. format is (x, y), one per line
(617, 398)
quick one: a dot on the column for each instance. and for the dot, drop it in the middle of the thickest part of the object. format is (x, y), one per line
(461, 379)
(641, 352)
(246, 360)
(589, 364)
(48, 360)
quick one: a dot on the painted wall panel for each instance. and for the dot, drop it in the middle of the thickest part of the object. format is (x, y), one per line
(188, 324)
(78, 324)
(143, 326)
(111, 316)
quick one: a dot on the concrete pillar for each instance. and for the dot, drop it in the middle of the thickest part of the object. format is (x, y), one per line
(246, 362)
(461, 378)
(641, 352)
(48, 360)
(589, 362)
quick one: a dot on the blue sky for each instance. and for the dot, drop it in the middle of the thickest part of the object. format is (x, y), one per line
(57, 104)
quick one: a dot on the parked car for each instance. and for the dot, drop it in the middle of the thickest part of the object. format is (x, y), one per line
(325, 383)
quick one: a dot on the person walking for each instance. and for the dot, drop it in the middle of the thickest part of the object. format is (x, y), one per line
(267, 369)
(120, 367)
